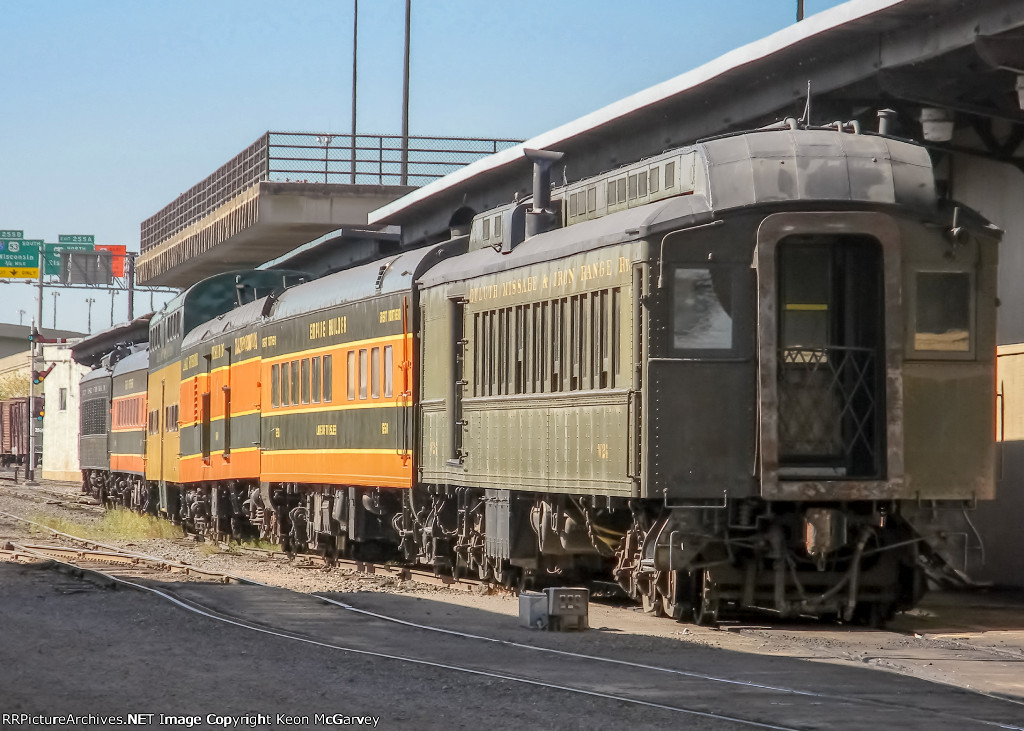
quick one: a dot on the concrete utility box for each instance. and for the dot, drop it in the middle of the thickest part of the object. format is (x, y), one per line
(558, 609)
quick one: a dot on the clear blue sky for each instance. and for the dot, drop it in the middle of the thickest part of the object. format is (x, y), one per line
(111, 108)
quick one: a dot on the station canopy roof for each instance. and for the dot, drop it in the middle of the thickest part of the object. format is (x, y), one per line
(965, 59)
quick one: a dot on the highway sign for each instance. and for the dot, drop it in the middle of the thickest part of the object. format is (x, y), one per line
(10, 233)
(76, 239)
(52, 255)
(19, 258)
(119, 252)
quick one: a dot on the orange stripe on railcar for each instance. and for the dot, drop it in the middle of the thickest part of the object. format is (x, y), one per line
(371, 468)
(238, 464)
(127, 463)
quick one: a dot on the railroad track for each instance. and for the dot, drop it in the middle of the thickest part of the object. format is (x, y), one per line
(346, 628)
(308, 560)
(403, 573)
(291, 617)
(94, 558)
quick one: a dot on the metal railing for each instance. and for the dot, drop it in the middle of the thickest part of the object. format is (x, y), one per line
(307, 157)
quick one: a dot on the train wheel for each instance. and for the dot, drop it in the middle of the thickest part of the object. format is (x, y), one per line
(873, 614)
(504, 574)
(707, 603)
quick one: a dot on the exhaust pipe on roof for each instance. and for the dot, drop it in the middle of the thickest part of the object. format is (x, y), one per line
(886, 121)
(541, 217)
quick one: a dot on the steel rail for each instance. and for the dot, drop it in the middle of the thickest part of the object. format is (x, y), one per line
(174, 566)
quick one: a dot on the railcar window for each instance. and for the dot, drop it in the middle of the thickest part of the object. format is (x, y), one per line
(633, 187)
(542, 348)
(487, 229)
(375, 373)
(615, 338)
(489, 326)
(564, 344)
(620, 192)
(316, 380)
(536, 348)
(806, 282)
(275, 385)
(171, 417)
(642, 184)
(389, 376)
(602, 335)
(305, 380)
(503, 352)
(611, 193)
(519, 355)
(592, 198)
(943, 312)
(699, 320)
(296, 382)
(351, 375)
(362, 373)
(655, 179)
(670, 175)
(286, 382)
(328, 389)
(558, 311)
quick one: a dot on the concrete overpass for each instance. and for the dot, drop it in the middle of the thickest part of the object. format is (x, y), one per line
(285, 190)
(259, 224)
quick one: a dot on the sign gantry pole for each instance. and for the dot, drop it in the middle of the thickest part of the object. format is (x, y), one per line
(30, 467)
(39, 293)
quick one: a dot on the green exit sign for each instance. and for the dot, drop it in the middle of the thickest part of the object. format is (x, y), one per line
(51, 254)
(11, 233)
(76, 239)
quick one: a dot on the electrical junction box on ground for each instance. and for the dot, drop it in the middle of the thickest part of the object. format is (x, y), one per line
(558, 609)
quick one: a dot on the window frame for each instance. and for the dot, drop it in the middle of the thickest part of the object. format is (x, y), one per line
(739, 313)
(326, 382)
(914, 353)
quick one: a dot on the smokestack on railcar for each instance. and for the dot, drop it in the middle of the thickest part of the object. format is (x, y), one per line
(541, 217)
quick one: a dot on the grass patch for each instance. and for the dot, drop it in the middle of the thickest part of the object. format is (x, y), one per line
(116, 524)
(260, 544)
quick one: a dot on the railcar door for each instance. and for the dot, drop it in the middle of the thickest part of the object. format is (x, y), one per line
(830, 376)
(829, 337)
(701, 385)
